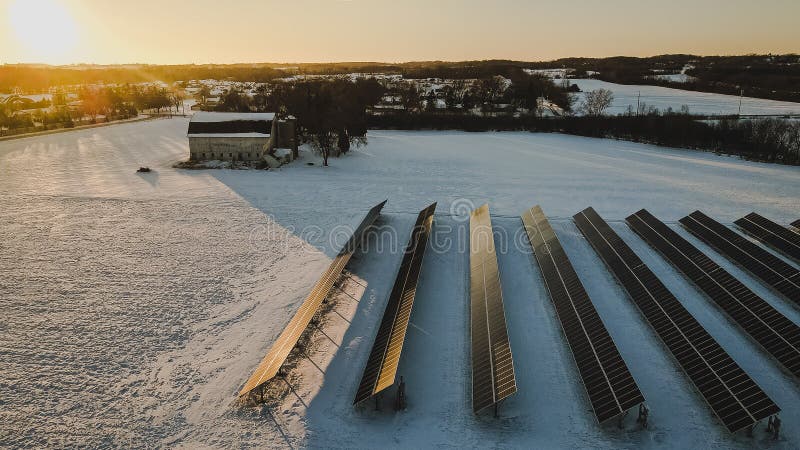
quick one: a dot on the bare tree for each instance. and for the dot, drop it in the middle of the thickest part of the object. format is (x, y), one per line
(176, 98)
(261, 97)
(454, 93)
(409, 96)
(596, 102)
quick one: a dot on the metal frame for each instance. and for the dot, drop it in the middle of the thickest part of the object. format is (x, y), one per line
(380, 371)
(773, 271)
(780, 238)
(488, 331)
(573, 304)
(777, 335)
(689, 343)
(280, 350)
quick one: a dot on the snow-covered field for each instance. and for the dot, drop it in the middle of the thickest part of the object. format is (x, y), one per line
(134, 306)
(698, 102)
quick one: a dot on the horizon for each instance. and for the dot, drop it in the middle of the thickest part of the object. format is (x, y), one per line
(388, 63)
(88, 32)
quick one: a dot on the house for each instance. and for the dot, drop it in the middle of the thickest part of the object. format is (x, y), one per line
(242, 137)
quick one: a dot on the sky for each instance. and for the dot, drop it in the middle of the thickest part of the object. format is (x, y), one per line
(233, 31)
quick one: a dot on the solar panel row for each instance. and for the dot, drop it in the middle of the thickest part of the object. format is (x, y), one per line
(779, 336)
(280, 350)
(608, 382)
(492, 363)
(381, 369)
(736, 399)
(774, 235)
(796, 225)
(774, 271)
(733, 396)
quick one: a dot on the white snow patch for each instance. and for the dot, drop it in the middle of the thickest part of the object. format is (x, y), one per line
(626, 96)
(136, 305)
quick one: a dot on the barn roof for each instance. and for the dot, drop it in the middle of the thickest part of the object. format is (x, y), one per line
(221, 124)
(209, 116)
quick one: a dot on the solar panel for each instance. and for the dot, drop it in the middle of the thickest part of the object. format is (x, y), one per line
(772, 234)
(280, 350)
(607, 380)
(381, 368)
(772, 270)
(779, 336)
(796, 225)
(492, 364)
(733, 396)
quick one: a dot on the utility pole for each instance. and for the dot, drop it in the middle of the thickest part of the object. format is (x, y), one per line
(741, 94)
(638, 97)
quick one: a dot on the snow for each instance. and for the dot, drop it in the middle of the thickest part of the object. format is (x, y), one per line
(283, 153)
(698, 102)
(675, 77)
(34, 97)
(207, 116)
(550, 73)
(136, 305)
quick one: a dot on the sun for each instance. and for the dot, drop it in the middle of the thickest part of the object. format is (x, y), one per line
(44, 29)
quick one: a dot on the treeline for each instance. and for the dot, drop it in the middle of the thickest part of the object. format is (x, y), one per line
(110, 102)
(769, 140)
(41, 78)
(488, 95)
(620, 69)
(764, 76)
(463, 70)
(775, 77)
(457, 95)
(126, 100)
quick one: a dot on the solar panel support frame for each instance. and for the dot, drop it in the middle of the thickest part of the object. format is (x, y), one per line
(779, 238)
(780, 277)
(487, 318)
(553, 260)
(662, 301)
(272, 363)
(380, 371)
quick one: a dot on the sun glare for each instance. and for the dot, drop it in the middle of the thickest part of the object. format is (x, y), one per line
(45, 29)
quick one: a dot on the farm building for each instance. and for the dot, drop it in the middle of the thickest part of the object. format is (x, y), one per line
(245, 137)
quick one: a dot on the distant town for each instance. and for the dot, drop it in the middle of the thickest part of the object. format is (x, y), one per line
(353, 97)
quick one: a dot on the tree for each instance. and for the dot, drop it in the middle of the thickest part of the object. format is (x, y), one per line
(234, 101)
(176, 98)
(526, 90)
(59, 98)
(160, 99)
(430, 101)
(261, 97)
(409, 96)
(203, 94)
(596, 102)
(454, 94)
(330, 113)
(93, 102)
(487, 90)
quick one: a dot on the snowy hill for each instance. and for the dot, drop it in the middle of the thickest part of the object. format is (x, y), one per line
(698, 102)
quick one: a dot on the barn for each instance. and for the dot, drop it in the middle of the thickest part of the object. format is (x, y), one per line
(244, 137)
